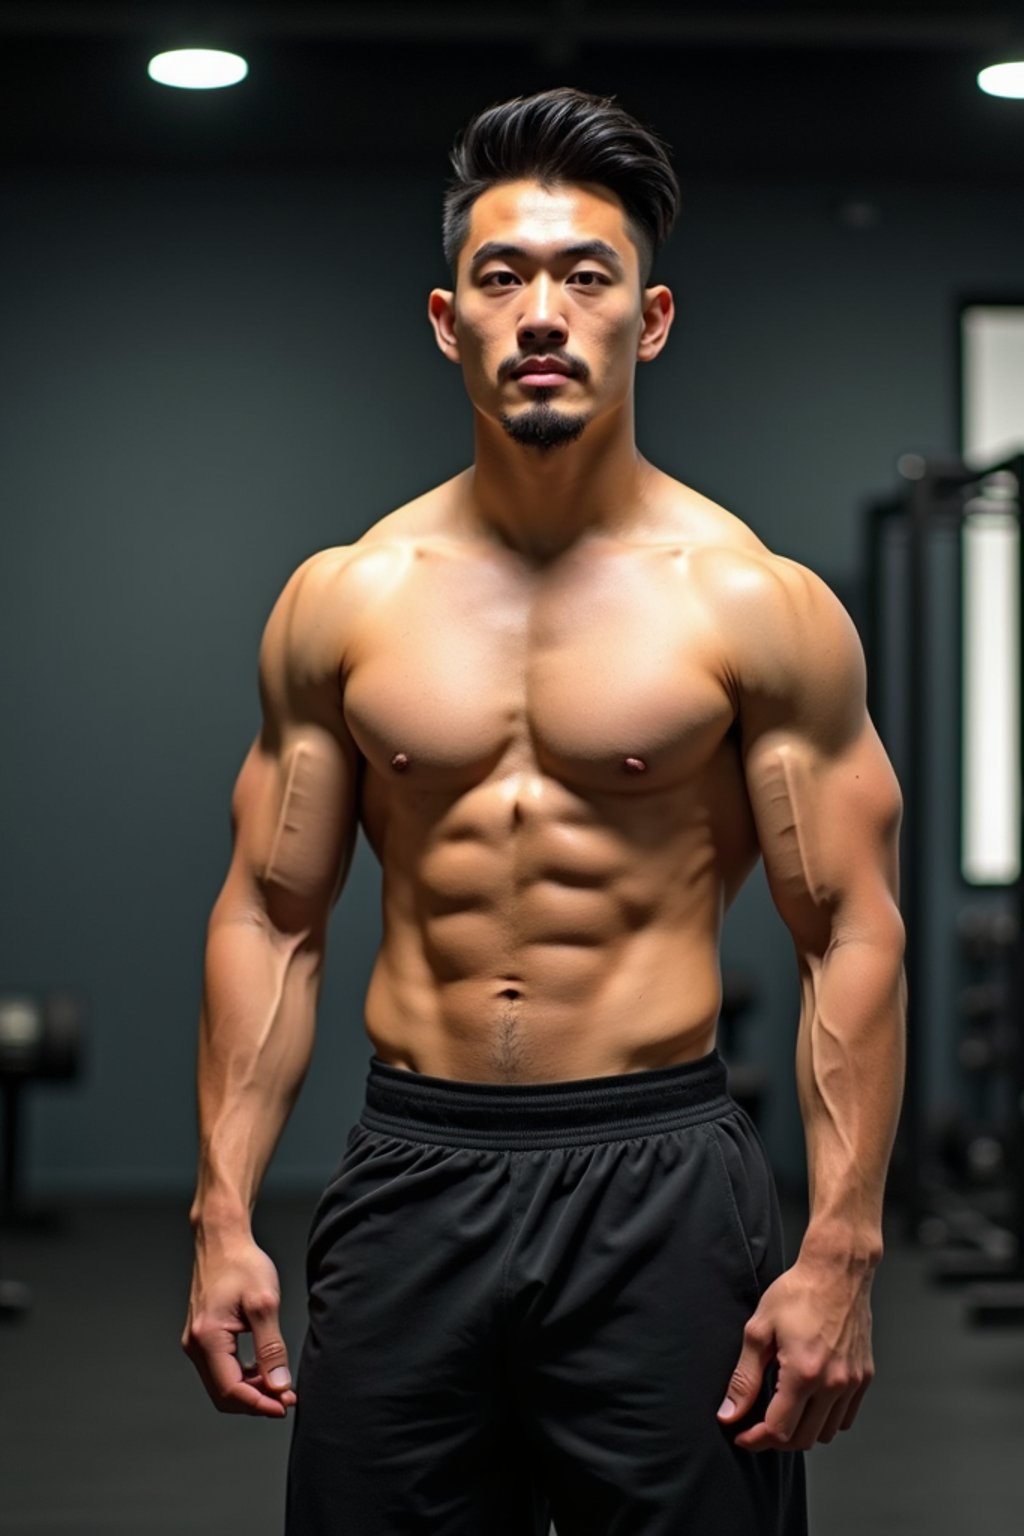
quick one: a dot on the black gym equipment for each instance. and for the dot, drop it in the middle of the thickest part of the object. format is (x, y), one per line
(40, 1041)
(958, 1175)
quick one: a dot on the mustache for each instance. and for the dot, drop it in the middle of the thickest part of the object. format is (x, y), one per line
(576, 364)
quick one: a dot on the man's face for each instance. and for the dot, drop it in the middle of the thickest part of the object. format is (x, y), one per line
(548, 274)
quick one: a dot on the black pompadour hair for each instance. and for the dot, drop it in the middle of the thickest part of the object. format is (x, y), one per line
(564, 135)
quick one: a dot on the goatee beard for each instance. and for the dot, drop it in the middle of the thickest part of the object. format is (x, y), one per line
(542, 426)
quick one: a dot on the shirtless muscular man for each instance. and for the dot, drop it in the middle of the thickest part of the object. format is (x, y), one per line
(571, 702)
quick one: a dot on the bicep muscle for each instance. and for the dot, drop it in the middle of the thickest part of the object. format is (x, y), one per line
(828, 828)
(825, 798)
(294, 806)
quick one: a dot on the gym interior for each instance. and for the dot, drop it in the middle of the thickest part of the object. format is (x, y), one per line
(216, 361)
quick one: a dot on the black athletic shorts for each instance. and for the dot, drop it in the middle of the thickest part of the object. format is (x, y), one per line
(525, 1305)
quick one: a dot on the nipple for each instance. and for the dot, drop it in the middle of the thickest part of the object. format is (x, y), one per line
(399, 762)
(635, 765)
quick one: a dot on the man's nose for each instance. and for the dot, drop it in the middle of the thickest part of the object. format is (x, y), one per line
(542, 320)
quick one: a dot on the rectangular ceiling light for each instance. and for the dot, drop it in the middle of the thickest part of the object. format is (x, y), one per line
(992, 354)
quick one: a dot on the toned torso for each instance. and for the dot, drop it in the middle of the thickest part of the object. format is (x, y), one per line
(552, 783)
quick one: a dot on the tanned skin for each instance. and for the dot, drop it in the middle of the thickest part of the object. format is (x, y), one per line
(571, 702)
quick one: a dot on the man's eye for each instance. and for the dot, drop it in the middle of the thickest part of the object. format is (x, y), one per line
(591, 279)
(491, 276)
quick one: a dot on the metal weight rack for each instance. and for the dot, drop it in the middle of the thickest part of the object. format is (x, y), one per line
(960, 1185)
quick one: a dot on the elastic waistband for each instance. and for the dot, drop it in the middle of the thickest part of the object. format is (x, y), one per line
(587, 1109)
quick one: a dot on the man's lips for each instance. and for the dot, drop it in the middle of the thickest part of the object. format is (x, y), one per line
(542, 370)
(542, 378)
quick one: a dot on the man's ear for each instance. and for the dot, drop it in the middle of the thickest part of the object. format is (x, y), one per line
(441, 313)
(658, 314)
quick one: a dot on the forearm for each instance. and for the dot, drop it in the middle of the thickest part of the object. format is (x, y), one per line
(850, 1063)
(256, 1032)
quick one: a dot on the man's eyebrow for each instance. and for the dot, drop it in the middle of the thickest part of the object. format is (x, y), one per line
(493, 249)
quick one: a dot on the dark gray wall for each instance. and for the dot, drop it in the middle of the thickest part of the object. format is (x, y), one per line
(205, 379)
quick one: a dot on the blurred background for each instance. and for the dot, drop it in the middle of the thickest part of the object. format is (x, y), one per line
(216, 360)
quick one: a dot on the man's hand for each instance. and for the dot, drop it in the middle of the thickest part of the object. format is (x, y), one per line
(817, 1320)
(235, 1290)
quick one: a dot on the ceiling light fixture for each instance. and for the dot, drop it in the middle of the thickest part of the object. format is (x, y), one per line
(197, 69)
(1003, 79)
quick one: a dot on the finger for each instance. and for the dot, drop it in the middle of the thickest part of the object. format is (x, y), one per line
(226, 1397)
(225, 1381)
(252, 1394)
(858, 1398)
(271, 1353)
(782, 1417)
(244, 1392)
(814, 1427)
(248, 1397)
(812, 1421)
(252, 1376)
(833, 1423)
(746, 1380)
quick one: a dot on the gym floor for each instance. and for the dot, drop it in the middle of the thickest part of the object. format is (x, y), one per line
(106, 1430)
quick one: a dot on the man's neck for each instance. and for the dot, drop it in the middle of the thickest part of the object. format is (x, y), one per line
(540, 502)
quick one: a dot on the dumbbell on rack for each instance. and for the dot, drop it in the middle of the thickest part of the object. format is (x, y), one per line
(40, 1041)
(989, 1042)
(971, 1222)
(986, 933)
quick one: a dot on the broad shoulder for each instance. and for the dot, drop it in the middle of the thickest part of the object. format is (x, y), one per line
(756, 585)
(795, 656)
(780, 621)
(384, 552)
(321, 601)
(364, 565)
